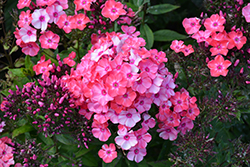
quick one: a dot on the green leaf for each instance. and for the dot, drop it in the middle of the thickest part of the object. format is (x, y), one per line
(19, 62)
(46, 140)
(65, 139)
(17, 72)
(89, 160)
(162, 8)
(161, 163)
(167, 35)
(148, 35)
(21, 130)
(28, 62)
(84, 151)
(14, 49)
(140, 2)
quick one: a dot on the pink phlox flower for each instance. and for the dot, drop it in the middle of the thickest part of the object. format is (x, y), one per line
(126, 99)
(42, 66)
(172, 119)
(159, 97)
(100, 131)
(158, 57)
(117, 84)
(6, 154)
(126, 141)
(86, 113)
(40, 19)
(81, 21)
(2, 124)
(134, 60)
(117, 63)
(163, 70)
(185, 125)
(130, 75)
(246, 12)
(113, 10)
(54, 12)
(156, 85)
(143, 138)
(24, 18)
(122, 129)
(30, 48)
(116, 107)
(215, 23)
(237, 39)
(180, 101)
(113, 116)
(67, 23)
(28, 34)
(23, 3)
(130, 31)
(148, 121)
(187, 50)
(129, 118)
(101, 117)
(142, 104)
(133, 43)
(70, 59)
(45, 2)
(108, 153)
(167, 132)
(100, 49)
(124, 20)
(163, 114)
(192, 112)
(202, 36)
(220, 43)
(136, 154)
(218, 66)
(49, 40)
(103, 67)
(191, 25)
(148, 67)
(63, 3)
(83, 4)
(142, 84)
(97, 107)
(177, 45)
(168, 85)
(100, 94)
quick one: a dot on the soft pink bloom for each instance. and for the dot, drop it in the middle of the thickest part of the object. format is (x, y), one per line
(24, 18)
(81, 21)
(63, 3)
(113, 116)
(126, 141)
(237, 39)
(202, 36)
(101, 117)
(143, 138)
(126, 99)
(129, 117)
(143, 83)
(156, 85)
(148, 67)
(23, 3)
(100, 94)
(168, 85)
(113, 10)
(215, 23)
(218, 66)
(246, 12)
(185, 125)
(40, 19)
(67, 23)
(117, 84)
(191, 25)
(54, 11)
(108, 153)
(42, 66)
(187, 50)
(28, 34)
(177, 45)
(136, 154)
(45, 2)
(168, 132)
(49, 40)
(148, 121)
(101, 131)
(83, 4)
(70, 59)
(159, 97)
(142, 104)
(87, 114)
(30, 48)
(180, 102)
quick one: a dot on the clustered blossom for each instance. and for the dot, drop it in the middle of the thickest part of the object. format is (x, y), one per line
(215, 36)
(119, 80)
(6, 152)
(38, 23)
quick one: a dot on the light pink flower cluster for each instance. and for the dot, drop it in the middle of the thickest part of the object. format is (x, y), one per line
(117, 81)
(214, 35)
(6, 155)
(35, 23)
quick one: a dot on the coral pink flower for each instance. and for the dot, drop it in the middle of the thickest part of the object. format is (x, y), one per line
(191, 25)
(185, 125)
(103, 67)
(63, 3)
(187, 50)
(70, 59)
(28, 34)
(218, 66)
(238, 39)
(246, 12)
(101, 131)
(148, 121)
(215, 23)
(107, 153)
(126, 141)
(23, 3)
(100, 94)
(129, 118)
(81, 21)
(42, 66)
(40, 19)
(148, 67)
(126, 99)
(54, 11)
(192, 112)
(45, 2)
(143, 104)
(180, 102)
(24, 18)
(83, 4)
(142, 84)
(143, 138)
(202, 36)
(129, 74)
(113, 10)
(172, 119)
(136, 154)
(117, 84)
(101, 117)
(67, 23)
(30, 48)
(168, 132)
(49, 40)
(156, 85)
(177, 45)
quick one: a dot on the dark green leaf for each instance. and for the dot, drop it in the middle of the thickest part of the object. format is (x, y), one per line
(89, 160)
(161, 163)
(148, 35)
(167, 35)
(17, 72)
(65, 139)
(46, 140)
(21, 130)
(19, 62)
(14, 49)
(28, 62)
(84, 151)
(162, 8)
(140, 2)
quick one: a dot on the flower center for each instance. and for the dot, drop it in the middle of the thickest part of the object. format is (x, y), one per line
(139, 82)
(141, 102)
(108, 152)
(179, 102)
(29, 32)
(219, 67)
(128, 115)
(83, 2)
(66, 23)
(236, 39)
(125, 95)
(104, 92)
(113, 10)
(147, 69)
(115, 84)
(129, 75)
(192, 24)
(157, 95)
(55, 14)
(26, 19)
(168, 130)
(136, 151)
(184, 124)
(79, 22)
(215, 24)
(30, 46)
(126, 137)
(118, 67)
(41, 18)
(49, 40)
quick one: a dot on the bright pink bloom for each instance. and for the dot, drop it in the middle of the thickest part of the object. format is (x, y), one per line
(67, 23)
(117, 84)
(126, 141)
(100, 94)
(83, 4)
(129, 118)
(143, 138)
(24, 18)
(42, 66)
(238, 39)
(40, 19)
(107, 153)
(168, 85)
(129, 74)
(113, 10)
(218, 66)
(215, 23)
(180, 101)
(70, 59)
(148, 67)
(246, 12)
(192, 112)
(187, 50)
(101, 131)
(23, 3)
(148, 121)
(28, 34)
(103, 67)
(220, 43)
(126, 99)
(81, 21)
(54, 11)
(159, 97)
(113, 116)
(168, 132)
(101, 117)
(142, 84)
(185, 125)
(49, 40)
(63, 3)
(156, 85)
(191, 25)
(136, 154)
(202, 36)
(177, 45)
(172, 119)
(45, 2)
(30, 48)
(142, 104)
(86, 113)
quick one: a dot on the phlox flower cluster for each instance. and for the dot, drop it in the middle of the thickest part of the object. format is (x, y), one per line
(216, 38)
(6, 152)
(37, 23)
(116, 82)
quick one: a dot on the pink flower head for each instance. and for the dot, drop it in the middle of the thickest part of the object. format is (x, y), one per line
(237, 39)
(143, 138)
(129, 117)
(24, 18)
(185, 125)
(108, 153)
(148, 122)
(28, 34)
(100, 131)
(191, 25)
(40, 19)
(2, 124)
(117, 84)
(177, 45)
(23, 3)
(42, 66)
(215, 23)
(180, 101)
(70, 59)
(113, 10)
(63, 3)
(83, 4)
(142, 84)
(100, 94)
(187, 50)
(142, 104)
(202, 36)
(218, 66)
(136, 154)
(168, 132)
(246, 12)
(126, 141)
(45, 2)
(126, 99)
(67, 23)
(81, 21)
(30, 48)
(49, 40)
(54, 11)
